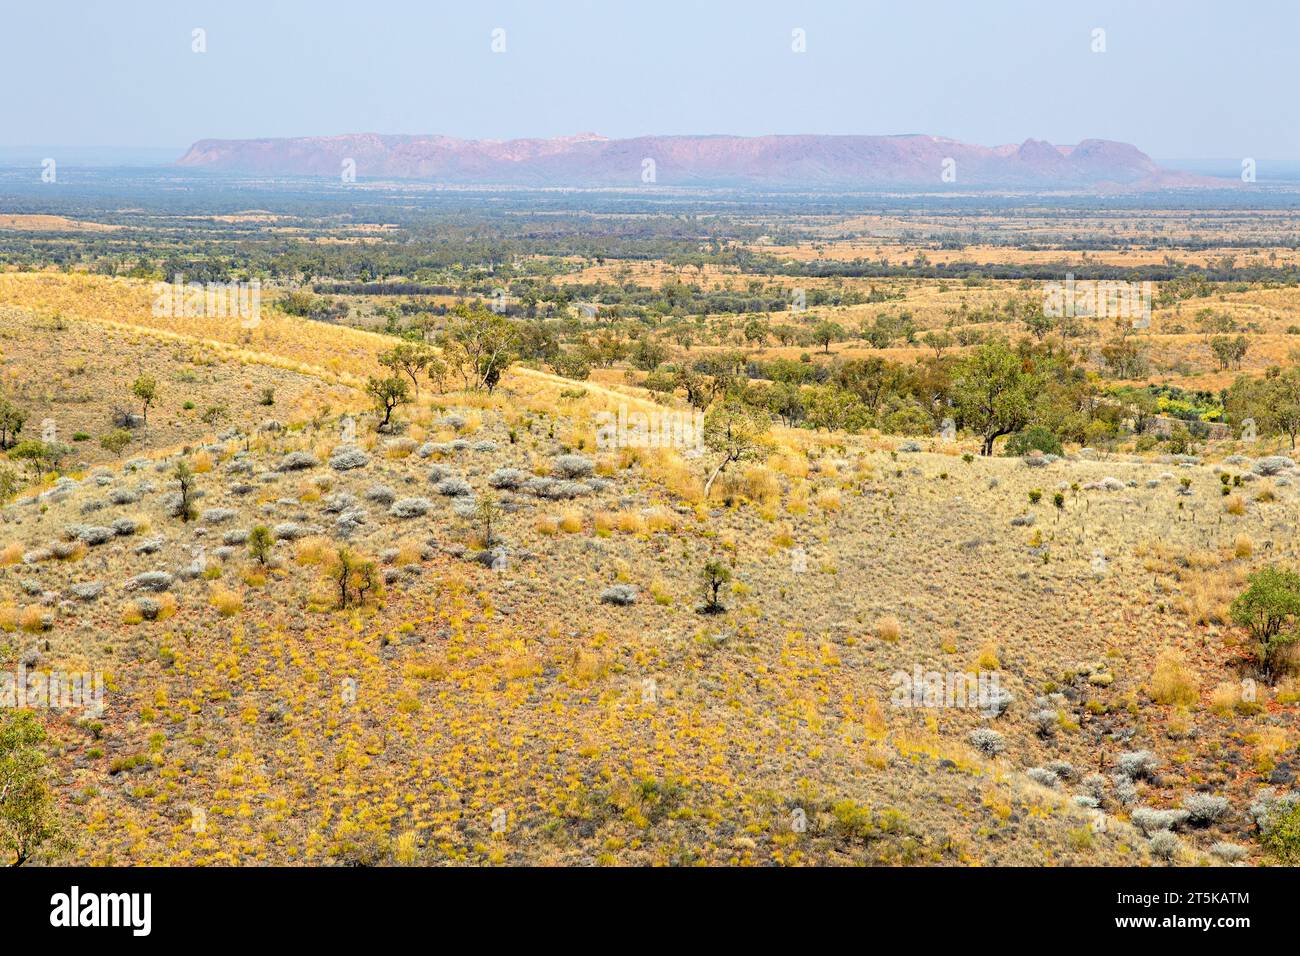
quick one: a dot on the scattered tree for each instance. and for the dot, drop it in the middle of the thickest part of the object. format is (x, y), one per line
(1229, 350)
(1272, 401)
(37, 454)
(145, 388)
(825, 332)
(354, 577)
(480, 345)
(27, 807)
(487, 513)
(184, 476)
(733, 429)
(387, 393)
(648, 355)
(756, 332)
(115, 440)
(1268, 609)
(11, 422)
(409, 359)
(437, 372)
(992, 392)
(940, 341)
(9, 483)
(260, 542)
(1281, 408)
(715, 574)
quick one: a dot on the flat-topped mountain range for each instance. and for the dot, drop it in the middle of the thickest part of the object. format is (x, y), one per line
(781, 162)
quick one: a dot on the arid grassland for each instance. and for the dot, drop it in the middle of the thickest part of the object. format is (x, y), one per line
(370, 578)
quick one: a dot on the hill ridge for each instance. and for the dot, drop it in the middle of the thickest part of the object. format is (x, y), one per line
(811, 161)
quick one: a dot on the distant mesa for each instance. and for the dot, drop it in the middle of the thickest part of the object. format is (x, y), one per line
(912, 162)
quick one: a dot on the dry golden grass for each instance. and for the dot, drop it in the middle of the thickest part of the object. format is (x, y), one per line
(32, 620)
(1225, 697)
(659, 519)
(753, 483)
(253, 575)
(427, 671)
(46, 223)
(1269, 743)
(604, 522)
(406, 847)
(1179, 723)
(335, 352)
(889, 629)
(226, 601)
(796, 501)
(829, 499)
(660, 592)
(1172, 681)
(1206, 595)
(409, 552)
(630, 522)
(1288, 691)
(314, 551)
(666, 467)
(518, 665)
(1243, 546)
(588, 667)
(166, 606)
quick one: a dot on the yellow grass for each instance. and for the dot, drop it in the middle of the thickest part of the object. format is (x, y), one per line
(660, 519)
(253, 576)
(1206, 596)
(32, 619)
(314, 551)
(227, 602)
(405, 849)
(1270, 743)
(828, 499)
(1172, 681)
(1225, 698)
(889, 629)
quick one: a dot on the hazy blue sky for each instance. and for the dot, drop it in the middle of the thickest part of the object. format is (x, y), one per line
(1189, 78)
